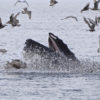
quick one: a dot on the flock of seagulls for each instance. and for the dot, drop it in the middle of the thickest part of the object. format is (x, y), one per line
(90, 22)
(96, 3)
(52, 2)
(13, 18)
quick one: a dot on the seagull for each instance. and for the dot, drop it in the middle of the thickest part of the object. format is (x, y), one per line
(98, 19)
(96, 3)
(53, 2)
(1, 25)
(99, 45)
(22, 1)
(26, 11)
(3, 50)
(93, 21)
(70, 17)
(90, 23)
(16, 63)
(13, 20)
(86, 7)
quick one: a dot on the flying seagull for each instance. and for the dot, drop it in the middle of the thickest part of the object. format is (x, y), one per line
(96, 3)
(13, 20)
(22, 1)
(70, 17)
(90, 23)
(1, 25)
(98, 19)
(53, 2)
(26, 11)
(16, 63)
(86, 7)
(3, 50)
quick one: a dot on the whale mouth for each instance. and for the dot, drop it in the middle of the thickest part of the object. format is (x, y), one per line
(55, 45)
(53, 42)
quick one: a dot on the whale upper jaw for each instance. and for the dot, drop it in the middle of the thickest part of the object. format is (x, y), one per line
(56, 43)
(53, 42)
(59, 46)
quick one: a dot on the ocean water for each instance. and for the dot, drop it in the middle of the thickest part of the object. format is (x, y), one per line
(49, 86)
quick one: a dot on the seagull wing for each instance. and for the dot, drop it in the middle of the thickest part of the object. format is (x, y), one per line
(17, 15)
(29, 14)
(86, 7)
(16, 3)
(27, 3)
(91, 21)
(70, 17)
(86, 21)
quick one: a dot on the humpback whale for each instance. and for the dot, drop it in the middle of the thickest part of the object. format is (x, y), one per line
(56, 47)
